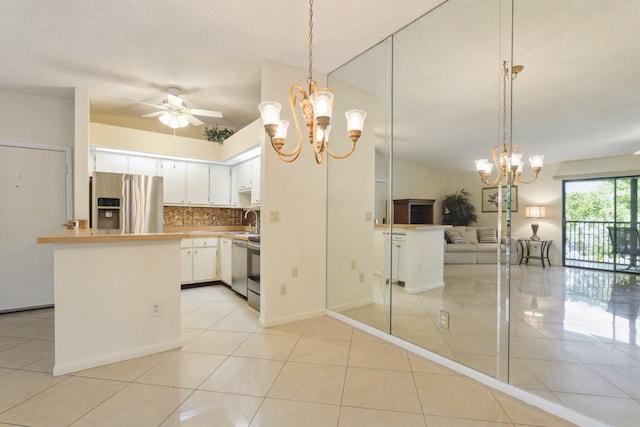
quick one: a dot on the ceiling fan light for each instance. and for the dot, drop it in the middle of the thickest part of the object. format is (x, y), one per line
(182, 121)
(165, 118)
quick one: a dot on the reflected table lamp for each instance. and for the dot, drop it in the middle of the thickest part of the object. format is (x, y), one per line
(535, 212)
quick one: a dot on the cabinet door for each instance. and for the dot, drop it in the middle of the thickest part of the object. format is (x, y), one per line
(205, 264)
(111, 162)
(255, 182)
(186, 271)
(142, 165)
(219, 185)
(198, 184)
(244, 175)
(225, 261)
(234, 188)
(174, 181)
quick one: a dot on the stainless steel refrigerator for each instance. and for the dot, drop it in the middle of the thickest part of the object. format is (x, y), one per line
(124, 203)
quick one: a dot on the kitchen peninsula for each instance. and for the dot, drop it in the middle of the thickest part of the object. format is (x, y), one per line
(116, 296)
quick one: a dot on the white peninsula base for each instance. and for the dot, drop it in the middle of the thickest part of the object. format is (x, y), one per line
(115, 299)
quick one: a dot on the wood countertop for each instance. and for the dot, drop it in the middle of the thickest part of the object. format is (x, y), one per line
(414, 226)
(170, 233)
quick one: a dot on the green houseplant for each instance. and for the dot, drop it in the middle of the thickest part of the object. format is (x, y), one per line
(215, 134)
(457, 209)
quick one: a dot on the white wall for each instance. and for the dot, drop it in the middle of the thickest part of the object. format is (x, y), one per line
(121, 138)
(82, 109)
(296, 193)
(350, 205)
(37, 119)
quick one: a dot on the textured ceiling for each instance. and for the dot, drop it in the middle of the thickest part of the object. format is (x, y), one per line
(125, 51)
(578, 98)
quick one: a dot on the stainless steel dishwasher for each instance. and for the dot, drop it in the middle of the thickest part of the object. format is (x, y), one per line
(239, 267)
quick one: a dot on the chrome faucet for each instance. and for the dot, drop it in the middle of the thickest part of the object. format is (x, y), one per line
(256, 227)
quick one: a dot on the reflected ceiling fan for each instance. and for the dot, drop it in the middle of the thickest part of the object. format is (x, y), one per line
(175, 113)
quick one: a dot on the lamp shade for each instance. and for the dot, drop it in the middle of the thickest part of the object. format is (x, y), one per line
(322, 103)
(270, 112)
(355, 119)
(535, 211)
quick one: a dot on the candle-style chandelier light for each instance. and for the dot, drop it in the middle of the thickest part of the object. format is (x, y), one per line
(316, 110)
(508, 162)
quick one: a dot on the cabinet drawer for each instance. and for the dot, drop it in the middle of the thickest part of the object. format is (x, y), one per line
(205, 242)
(185, 243)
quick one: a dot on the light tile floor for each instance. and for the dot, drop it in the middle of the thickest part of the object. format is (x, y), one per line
(231, 372)
(579, 350)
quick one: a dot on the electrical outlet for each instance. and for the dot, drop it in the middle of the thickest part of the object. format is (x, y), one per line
(294, 271)
(283, 289)
(361, 277)
(443, 319)
(155, 310)
(353, 264)
(368, 216)
(274, 216)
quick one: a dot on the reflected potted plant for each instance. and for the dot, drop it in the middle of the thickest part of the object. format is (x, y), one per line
(457, 209)
(215, 134)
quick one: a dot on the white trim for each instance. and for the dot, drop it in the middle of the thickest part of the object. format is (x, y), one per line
(241, 157)
(532, 399)
(291, 318)
(424, 288)
(68, 163)
(354, 304)
(79, 365)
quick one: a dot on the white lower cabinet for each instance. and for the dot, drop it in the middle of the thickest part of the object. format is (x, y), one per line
(186, 261)
(199, 260)
(225, 260)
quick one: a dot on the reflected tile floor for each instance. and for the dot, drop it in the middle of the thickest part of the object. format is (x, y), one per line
(573, 337)
(232, 372)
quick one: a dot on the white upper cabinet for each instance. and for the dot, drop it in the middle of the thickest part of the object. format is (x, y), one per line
(219, 185)
(111, 162)
(174, 182)
(142, 165)
(198, 184)
(256, 187)
(235, 203)
(244, 175)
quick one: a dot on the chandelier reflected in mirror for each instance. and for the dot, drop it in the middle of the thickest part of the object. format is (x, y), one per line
(508, 160)
(316, 109)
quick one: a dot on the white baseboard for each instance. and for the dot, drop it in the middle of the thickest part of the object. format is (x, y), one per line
(351, 305)
(424, 288)
(292, 318)
(61, 369)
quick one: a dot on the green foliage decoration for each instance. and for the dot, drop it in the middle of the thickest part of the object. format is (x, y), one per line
(215, 134)
(457, 209)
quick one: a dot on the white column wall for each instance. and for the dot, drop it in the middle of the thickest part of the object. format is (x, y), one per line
(294, 193)
(82, 109)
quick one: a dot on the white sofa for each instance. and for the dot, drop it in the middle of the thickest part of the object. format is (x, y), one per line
(478, 247)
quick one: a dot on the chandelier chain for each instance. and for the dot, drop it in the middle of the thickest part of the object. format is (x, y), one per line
(310, 78)
(505, 71)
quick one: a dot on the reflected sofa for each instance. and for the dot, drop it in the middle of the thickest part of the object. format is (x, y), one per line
(475, 245)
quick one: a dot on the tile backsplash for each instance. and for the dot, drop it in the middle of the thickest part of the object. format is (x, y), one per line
(189, 216)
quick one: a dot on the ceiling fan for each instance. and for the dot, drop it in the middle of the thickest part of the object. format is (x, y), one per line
(175, 113)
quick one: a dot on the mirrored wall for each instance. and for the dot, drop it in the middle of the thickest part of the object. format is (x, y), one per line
(435, 97)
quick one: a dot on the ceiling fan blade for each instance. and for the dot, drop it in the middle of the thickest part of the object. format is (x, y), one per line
(193, 120)
(156, 114)
(151, 105)
(206, 113)
(174, 100)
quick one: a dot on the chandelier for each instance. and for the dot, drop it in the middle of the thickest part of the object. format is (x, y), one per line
(316, 110)
(508, 162)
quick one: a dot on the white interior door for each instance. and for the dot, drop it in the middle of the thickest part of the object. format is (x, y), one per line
(33, 202)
